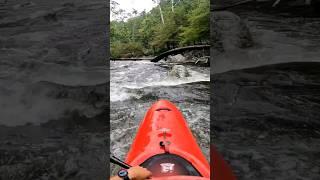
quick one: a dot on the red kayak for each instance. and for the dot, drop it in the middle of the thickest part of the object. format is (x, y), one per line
(221, 169)
(165, 145)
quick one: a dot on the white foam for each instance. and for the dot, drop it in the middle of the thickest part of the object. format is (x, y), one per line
(24, 98)
(120, 83)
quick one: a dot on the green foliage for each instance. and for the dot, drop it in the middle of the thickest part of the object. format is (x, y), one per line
(146, 34)
(126, 50)
(119, 32)
(198, 28)
(167, 33)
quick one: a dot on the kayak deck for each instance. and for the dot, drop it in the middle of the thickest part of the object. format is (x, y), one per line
(164, 131)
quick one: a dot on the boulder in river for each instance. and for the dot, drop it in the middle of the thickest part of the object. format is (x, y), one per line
(176, 58)
(229, 31)
(179, 71)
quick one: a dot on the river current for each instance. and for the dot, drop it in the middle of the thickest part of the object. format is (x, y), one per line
(136, 85)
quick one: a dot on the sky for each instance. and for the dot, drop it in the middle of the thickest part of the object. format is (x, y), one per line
(139, 5)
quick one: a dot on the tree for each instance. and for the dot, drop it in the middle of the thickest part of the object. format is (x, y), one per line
(161, 14)
(166, 35)
(170, 24)
(134, 12)
(172, 6)
(198, 28)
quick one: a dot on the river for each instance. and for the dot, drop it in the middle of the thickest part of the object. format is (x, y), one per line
(136, 85)
(266, 101)
(53, 82)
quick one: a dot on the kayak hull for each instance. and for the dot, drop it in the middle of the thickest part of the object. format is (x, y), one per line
(221, 169)
(165, 131)
(181, 178)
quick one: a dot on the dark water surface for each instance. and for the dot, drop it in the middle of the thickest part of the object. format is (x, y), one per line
(266, 106)
(53, 81)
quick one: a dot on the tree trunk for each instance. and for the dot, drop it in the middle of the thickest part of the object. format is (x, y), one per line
(172, 6)
(161, 12)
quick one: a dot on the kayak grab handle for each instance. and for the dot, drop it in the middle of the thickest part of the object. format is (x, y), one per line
(119, 162)
(161, 109)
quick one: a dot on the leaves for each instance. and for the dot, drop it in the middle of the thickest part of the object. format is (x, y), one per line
(146, 33)
(198, 28)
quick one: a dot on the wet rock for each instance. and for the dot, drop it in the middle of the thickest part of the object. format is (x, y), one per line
(162, 61)
(202, 60)
(179, 71)
(229, 31)
(176, 58)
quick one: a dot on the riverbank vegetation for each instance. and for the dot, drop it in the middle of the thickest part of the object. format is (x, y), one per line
(171, 24)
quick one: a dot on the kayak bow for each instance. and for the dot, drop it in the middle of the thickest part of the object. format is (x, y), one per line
(164, 144)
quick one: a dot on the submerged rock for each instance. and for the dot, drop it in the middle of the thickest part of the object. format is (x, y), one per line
(179, 71)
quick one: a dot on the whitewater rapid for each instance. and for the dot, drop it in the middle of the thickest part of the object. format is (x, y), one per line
(135, 86)
(37, 92)
(130, 75)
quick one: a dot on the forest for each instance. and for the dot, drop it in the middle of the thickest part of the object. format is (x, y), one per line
(170, 24)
